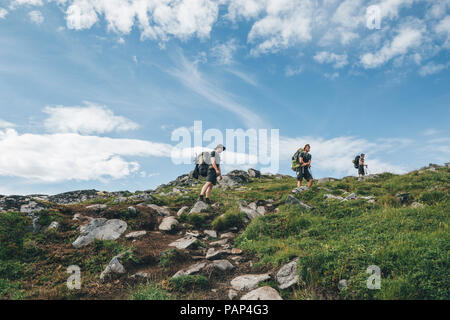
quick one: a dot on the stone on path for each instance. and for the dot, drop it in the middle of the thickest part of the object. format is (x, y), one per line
(184, 243)
(168, 224)
(136, 234)
(248, 281)
(290, 200)
(199, 207)
(194, 269)
(263, 293)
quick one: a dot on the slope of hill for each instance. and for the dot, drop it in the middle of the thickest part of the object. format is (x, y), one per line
(162, 244)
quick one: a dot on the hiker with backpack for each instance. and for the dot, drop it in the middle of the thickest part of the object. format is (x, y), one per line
(360, 164)
(301, 164)
(210, 167)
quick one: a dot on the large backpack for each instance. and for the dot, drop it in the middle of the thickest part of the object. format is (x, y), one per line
(202, 163)
(295, 163)
(356, 162)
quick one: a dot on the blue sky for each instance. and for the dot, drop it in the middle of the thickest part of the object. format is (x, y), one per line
(90, 91)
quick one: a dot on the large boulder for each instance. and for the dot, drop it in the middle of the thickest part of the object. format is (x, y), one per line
(100, 229)
(234, 178)
(287, 276)
(32, 210)
(251, 210)
(264, 293)
(248, 281)
(162, 211)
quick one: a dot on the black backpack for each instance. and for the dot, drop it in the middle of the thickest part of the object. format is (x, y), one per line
(202, 163)
(356, 162)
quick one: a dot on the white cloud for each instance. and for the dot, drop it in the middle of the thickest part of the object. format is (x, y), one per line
(16, 3)
(3, 13)
(70, 156)
(339, 60)
(432, 68)
(89, 119)
(224, 52)
(36, 17)
(287, 23)
(6, 124)
(157, 19)
(406, 39)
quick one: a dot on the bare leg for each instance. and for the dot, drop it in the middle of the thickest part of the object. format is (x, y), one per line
(205, 188)
(299, 184)
(310, 183)
(208, 191)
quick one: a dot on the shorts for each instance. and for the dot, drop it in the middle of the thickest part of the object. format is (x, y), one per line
(212, 176)
(304, 173)
(361, 170)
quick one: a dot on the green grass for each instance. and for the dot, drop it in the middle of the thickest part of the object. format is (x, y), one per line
(150, 291)
(188, 282)
(341, 240)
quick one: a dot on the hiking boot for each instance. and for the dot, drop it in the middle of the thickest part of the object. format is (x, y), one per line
(208, 201)
(200, 198)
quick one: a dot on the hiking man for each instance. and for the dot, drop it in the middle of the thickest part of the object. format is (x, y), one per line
(361, 165)
(304, 159)
(213, 173)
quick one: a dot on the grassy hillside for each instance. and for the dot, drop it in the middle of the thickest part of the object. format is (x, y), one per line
(408, 239)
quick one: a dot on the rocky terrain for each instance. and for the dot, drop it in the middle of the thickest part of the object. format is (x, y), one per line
(258, 240)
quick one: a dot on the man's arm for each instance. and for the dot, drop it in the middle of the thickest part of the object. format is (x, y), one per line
(213, 163)
(304, 164)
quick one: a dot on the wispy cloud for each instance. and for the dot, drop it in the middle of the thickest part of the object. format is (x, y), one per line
(190, 76)
(6, 124)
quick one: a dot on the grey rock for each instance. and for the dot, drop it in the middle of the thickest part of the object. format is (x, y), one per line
(333, 197)
(184, 243)
(114, 267)
(199, 207)
(264, 293)
(343, 284)
(248, 281)
(213, 254)
(211, 233)
(227, 235)
(168, 224)
(76, 196)
(221, 265)
(136, 234)
(232, 294)
(287, 276)
(254, 173)
(97, 207)
(219, 243)
(194, 269)
(162, 211)
(351, 196)
(182, 210)
(290, 200)
(100, 229)
(141, 275)
(132, 210)
(251, 213)
(53, 226)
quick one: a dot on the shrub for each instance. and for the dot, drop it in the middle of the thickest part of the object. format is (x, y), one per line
(170, 256)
